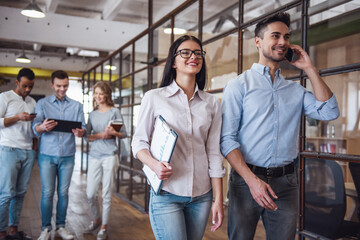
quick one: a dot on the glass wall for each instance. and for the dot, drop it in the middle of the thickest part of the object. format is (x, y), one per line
(328, 30)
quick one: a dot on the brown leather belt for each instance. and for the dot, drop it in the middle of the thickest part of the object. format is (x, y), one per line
(272, 171)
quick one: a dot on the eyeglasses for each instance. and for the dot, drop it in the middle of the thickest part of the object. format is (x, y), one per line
(186, 53)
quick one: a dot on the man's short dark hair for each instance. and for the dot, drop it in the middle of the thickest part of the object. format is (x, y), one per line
(59, 74)
(278, 17)
(26, 72)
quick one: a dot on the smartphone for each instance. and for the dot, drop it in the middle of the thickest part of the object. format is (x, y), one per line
(33, 114)
(289, 55)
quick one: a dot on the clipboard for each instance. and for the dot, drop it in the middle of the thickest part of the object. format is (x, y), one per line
(162, 147)
(65, 126)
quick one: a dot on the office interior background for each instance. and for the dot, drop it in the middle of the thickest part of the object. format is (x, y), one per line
(125, 42)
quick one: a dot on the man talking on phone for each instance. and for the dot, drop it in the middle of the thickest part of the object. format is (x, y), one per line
(16, 152)
(261, 121)
(57, 152)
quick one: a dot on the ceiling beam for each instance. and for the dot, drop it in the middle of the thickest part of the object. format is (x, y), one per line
(111, 9)
(66, 31)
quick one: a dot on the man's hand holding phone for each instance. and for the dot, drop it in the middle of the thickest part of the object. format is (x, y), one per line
(302, 61)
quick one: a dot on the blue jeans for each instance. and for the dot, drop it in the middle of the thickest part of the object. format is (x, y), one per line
(179, 218)
(52, 168)
(244, 211)
(15, 170)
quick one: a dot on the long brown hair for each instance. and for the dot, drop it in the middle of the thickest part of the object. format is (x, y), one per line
(105, 88)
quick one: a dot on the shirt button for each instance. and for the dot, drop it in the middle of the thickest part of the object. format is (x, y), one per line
(274, 138)
(275, 105)
(275, 122)
(273, 155)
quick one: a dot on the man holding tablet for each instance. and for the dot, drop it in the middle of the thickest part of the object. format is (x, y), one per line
(57, 151)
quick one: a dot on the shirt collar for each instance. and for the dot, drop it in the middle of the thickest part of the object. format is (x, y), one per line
(173, 88)
(53, 98)
(262, 69)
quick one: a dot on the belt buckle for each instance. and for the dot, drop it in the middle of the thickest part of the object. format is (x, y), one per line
(269, 172)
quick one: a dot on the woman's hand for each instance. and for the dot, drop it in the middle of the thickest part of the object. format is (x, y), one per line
(217, 215)
(110, 130)
(163, 170)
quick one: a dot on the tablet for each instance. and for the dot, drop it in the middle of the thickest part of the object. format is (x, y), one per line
(66, 126)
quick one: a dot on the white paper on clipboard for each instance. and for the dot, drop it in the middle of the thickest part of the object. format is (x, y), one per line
(162, 147)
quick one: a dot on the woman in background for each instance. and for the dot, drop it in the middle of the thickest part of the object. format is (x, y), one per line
(103, 156)
(181, 209)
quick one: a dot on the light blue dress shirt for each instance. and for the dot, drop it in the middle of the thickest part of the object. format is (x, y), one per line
(52, 143)
(262, 118)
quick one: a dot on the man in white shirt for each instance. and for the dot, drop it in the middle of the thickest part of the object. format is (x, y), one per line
(17, 156)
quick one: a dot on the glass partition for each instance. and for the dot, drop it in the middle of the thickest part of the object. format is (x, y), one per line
(162, 41)
(126, 59)
(158, 72)
(140, 81)
(160, 9)
(126, 90)
(186, 22)
(221, 61)
(341, 135)
(141, 53)
(218, 19)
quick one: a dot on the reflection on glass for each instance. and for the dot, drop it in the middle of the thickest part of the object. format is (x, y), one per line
(219, 18)
(140, 80)
(221, 61)
(141, 52)
(254, 9)
(187, 20)
(321, 10)
(160, 9)
(162, 41)
(116, 86)
(126, 60)
(158, 74)
(341, 135)
(126, 90)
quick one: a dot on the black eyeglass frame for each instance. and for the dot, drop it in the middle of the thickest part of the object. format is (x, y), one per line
(192, 52)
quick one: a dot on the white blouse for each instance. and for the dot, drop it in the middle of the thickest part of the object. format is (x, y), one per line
(197, 121)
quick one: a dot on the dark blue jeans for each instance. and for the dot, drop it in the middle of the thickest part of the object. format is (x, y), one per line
(245, 212)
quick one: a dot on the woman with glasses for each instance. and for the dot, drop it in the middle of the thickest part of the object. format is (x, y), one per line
(181, 209)
(103, 155)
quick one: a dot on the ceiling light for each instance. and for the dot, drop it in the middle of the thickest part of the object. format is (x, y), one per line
(107, 67)
(32, 10)
(23, 59)
(177, 31)
(89, 53)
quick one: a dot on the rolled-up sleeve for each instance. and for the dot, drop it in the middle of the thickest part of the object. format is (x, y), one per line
(39, 117)
(216, 168)
(145, 125)
(231, 116)
(327, 111)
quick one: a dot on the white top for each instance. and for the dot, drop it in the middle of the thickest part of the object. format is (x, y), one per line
(18, 135)
(197, 156)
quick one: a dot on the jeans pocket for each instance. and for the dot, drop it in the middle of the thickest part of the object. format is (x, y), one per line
(236, 179)
(291, 180)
